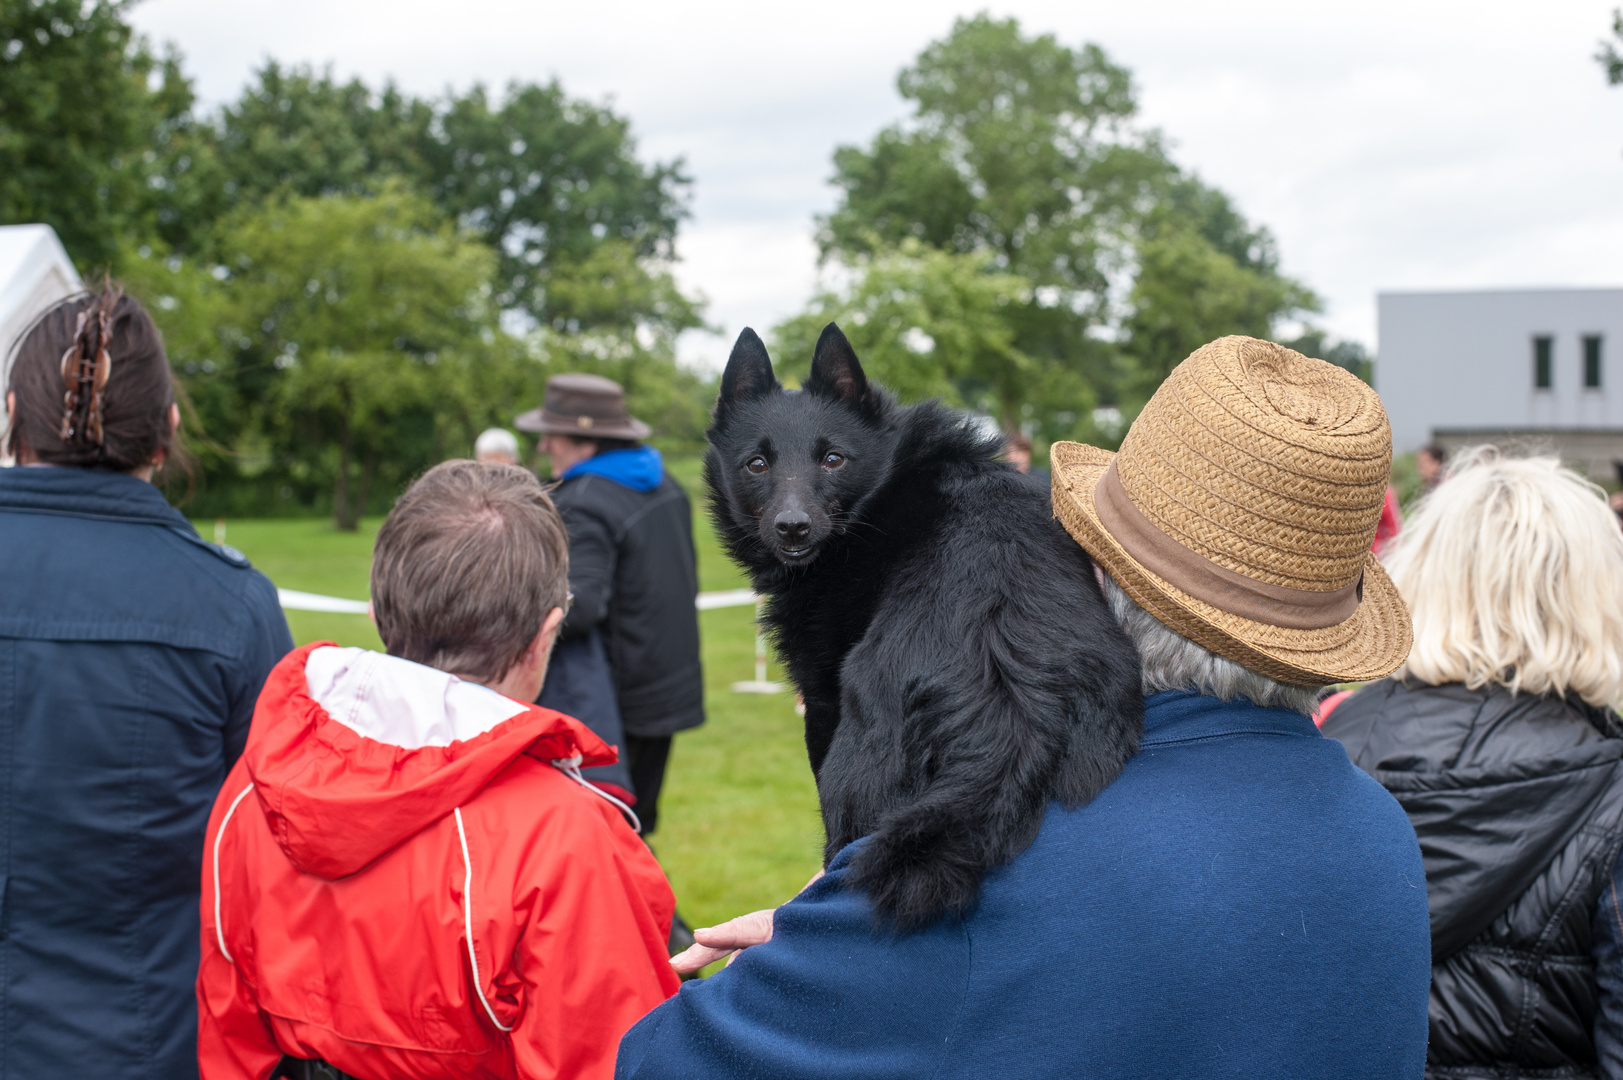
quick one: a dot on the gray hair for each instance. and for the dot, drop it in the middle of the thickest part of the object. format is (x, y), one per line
(1173, 662)
(496, 442)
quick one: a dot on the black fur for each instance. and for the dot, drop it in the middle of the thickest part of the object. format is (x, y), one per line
(959, 665)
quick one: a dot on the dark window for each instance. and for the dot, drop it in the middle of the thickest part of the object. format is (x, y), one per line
(1543, 346)
(1591, 361)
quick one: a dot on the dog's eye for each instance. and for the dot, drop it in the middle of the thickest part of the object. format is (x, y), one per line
(756, 465)
(832, 460)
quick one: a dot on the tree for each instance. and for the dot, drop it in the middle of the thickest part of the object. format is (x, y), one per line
(1022, 148)
(1610, 60)
(546, 181)
(926, 323)
(1189, 292)
(91, 124)
(370, 312)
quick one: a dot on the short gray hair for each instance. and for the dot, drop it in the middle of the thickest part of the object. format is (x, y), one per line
(496, 441)
(1173, 662)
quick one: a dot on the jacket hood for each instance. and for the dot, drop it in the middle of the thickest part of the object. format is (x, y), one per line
(352, 751)
(1495, 785)
(639, 468)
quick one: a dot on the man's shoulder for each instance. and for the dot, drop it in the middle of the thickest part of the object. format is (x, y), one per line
(535, 797)
(1289, 801)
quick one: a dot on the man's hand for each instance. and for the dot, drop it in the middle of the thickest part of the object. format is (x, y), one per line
(715, 942)
(729, 939)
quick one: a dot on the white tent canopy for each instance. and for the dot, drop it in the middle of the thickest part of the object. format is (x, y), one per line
(35, 272)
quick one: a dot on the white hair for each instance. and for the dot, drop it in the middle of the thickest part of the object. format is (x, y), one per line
(1172, 662)
(496, 442)
(1513, 572)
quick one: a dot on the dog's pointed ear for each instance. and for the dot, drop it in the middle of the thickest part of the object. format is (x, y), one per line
(835, 370)
(749, 372)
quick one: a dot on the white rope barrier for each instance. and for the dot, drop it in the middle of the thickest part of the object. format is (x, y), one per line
(294, 600)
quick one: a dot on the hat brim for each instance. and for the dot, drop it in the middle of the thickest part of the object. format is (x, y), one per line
(1371, 644)
(542, 422)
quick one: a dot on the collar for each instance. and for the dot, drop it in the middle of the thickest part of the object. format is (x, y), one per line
(88, 493)
(1175, 716)
(639, 468)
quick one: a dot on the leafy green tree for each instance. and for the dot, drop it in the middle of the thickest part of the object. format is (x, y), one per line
(1189, 291)
(1608, 57)
(550, 183)
(371, 312)
(300, 132)
(92, 124)
(547, 181)
(1022, 149)
(926, 323)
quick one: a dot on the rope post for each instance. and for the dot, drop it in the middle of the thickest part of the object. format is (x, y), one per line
(758, 685)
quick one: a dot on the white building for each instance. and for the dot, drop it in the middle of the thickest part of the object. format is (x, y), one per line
(1538, 368)
(35, 272)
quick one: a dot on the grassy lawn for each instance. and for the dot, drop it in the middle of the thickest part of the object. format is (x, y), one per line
(739, 828)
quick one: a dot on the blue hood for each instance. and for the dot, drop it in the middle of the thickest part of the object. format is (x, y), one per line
(639, 468)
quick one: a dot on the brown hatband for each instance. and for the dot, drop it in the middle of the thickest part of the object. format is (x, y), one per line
(1206, 581)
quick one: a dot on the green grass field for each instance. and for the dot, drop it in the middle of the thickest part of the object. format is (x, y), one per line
(739, 828)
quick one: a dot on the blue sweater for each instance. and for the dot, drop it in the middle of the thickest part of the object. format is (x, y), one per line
(1241, 902)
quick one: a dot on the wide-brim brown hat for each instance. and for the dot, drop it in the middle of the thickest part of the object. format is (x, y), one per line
(586, 407)
(1240, 511)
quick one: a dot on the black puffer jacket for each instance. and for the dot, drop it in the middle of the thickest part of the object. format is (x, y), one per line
(634, 573)
(1518, 805)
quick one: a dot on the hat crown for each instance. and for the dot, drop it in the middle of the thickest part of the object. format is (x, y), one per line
(583, 394)
(1268, 463)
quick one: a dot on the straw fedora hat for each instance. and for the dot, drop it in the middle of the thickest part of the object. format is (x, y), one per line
(1240, 512)
(585, 406)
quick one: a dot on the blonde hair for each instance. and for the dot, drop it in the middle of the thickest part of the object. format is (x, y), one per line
(1513, 572)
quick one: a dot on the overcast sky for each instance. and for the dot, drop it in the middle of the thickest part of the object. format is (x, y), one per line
(1392, 144)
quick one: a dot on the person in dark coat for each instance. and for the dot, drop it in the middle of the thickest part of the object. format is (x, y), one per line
(633, 572)
(1241, 901)
(1498, 738)
(131, 654)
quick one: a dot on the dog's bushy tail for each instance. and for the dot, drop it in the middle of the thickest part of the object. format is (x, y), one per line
(1029, 714)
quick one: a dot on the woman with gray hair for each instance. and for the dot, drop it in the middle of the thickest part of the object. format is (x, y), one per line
(1498, 738)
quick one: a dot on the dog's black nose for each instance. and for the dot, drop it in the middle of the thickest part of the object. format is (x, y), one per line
(793, 525)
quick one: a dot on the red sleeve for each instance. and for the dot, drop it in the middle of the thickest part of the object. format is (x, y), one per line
(233, 1040)
(593, 958)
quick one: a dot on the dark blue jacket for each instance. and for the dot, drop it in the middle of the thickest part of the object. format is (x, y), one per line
(1240, 902)
(131, 653)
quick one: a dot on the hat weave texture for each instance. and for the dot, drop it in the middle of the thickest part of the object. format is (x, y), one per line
(1240, 512)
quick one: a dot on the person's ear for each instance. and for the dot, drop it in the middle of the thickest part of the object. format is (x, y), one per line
(549, 627)
(11, 404)
(161, 455)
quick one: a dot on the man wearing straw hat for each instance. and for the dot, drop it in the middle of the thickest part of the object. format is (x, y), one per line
(1241, 901)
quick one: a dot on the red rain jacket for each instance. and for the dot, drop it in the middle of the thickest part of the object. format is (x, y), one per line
(399, 881)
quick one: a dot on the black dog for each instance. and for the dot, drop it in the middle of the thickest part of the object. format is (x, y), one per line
(959, 665)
